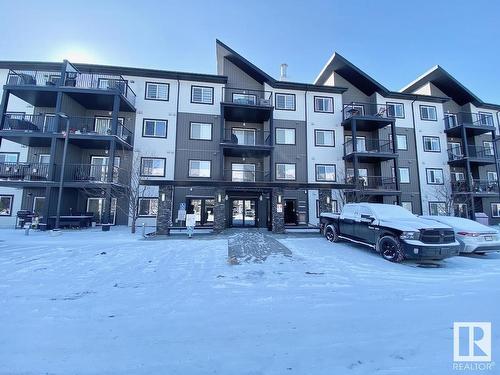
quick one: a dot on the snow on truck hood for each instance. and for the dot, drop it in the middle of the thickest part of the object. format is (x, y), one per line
(412, 224)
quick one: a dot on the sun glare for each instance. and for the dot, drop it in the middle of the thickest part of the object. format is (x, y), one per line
(76, 55)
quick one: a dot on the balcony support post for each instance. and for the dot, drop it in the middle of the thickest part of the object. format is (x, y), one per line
(222, 122)
(61, 177)
(396, 161)
(271, 143)
(468, 177)
(355, 160)
(495, 155)
(3, 108)
(58, 110)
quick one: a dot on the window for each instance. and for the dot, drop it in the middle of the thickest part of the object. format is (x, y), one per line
(9, 157)
(200, 168)
(153, 167)
(428, 113)
(102, 125)
(6, 205)
(324, 138)
(486, 118)
(323, 104)
(492, 176)
(362, 176)
(38, 203)
(44, 158)
(437, 208)
(335, 206)
(455, 149)
(488, 148)
(434, 176)
(243, 136)
(404, 175)
(325, 172)
(460, 210)
(148, 207)
(407, 205)
(201, 131)
(285, 171)
(243, 172)
(396, 110)
(431, 144)
(495, 210)
(285, 136)
(245, 99)
(401, 142)
(154, 128)
(354, 110)
(360, 143)
(285, 102)
(457, 176)
(202, 94)
(157, 91)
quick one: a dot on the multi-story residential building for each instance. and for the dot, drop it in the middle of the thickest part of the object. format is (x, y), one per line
(238, 148)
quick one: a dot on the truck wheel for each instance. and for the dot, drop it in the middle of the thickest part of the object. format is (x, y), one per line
(331, 233)
(390, 249)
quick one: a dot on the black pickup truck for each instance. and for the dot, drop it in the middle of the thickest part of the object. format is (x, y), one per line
(391, 230)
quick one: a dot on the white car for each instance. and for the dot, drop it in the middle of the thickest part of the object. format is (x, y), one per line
(473, 237)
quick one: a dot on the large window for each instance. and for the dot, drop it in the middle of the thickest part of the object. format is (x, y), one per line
(396, 110)
(243, 172)
(154, 128)
(157, 91)
(285, 102)
(323, 104)
(404, 175)
(437, 208)
(495, 210)
(200, 131)
(455, 149)
(431, 144)
(325, 172)
(153, 167)
(285, 136)
(486, 118)
(6, 205)
(200, 168)
(428, 113)
(285, 171)
(9, 157)
(202, 94)
(324, 138)
(148, 207)
(402, 142)
(492, 176)
(488, 148)
(434, 176)
(243, 136)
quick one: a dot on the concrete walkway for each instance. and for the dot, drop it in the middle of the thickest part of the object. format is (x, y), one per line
(253, 245)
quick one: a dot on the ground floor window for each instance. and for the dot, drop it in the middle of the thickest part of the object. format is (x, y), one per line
(6, 205)
(148, 207)
(495, 210)
(202, 208)
(437, 208)
(97, 207)
(407, 205)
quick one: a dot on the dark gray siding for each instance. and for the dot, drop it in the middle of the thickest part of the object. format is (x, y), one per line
(295, 154)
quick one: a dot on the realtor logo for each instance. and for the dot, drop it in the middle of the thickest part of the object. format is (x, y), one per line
(472, 341)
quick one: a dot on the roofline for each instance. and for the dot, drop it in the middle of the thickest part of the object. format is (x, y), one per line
(121, 70)
(420, 77)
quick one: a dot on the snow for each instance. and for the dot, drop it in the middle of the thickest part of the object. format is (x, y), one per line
(91, 302)
(461, 224)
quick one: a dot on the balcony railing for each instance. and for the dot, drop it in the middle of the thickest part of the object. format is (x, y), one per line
(247, 97)
(245, 175)
(72, 79)
(24, 171)
(77, 125)
(373, 182)
(368, 145)
(479, 152)
(95, 173)
(452, 120)
(367, 110)
(477, 186)
(247, 137)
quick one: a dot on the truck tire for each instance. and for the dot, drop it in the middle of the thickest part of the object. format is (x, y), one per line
(390, 248)
(331, 233)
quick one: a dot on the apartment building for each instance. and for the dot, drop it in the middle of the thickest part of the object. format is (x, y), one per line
(237, 148)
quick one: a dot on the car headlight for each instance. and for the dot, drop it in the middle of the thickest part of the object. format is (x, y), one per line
(411, 235)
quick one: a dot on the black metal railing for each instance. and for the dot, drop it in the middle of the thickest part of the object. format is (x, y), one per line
(96, 173)
(373, 182)
(246, 175)
(368, 145)
(72, 79)
(24, 171)
(479, 152)
(367, 110)
(452, 120)
(477, 186)
(247, 137)
(258, 98)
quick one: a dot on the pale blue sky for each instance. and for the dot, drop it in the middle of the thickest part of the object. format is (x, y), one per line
(394, 41)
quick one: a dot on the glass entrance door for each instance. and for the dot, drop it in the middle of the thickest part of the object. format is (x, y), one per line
(244, 212)
(96, 206)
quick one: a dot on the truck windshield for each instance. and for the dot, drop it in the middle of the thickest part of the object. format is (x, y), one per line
(387, 211)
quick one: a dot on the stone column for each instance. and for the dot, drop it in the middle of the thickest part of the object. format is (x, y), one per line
(325, 200)
(278, 217)
(219, 210)
(165, 205)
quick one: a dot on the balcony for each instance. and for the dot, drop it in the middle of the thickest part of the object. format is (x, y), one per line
(94, 174)
(478, 155)
(246, 175)
(369, 150)
(37, 130)
(474, 123)
(24, 171)
(374, 185)
(244, 142)
(368, 116)
(478, 187)
(39, 88)
(246, 105)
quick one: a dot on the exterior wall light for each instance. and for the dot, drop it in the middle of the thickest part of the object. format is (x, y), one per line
(279, 198)
(163, 197)
(226, 197)
(219, 198)
(260, 198)
(328, 199)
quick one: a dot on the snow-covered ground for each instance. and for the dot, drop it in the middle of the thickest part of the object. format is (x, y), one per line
(92, 302)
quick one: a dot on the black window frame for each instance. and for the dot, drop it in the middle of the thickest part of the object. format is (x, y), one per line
(427, 106)
(285, 109)
(491, 208)
(189, 168)
(324, 97)
(427, 176)
(149, 199)
(324, 165)
(431, 136)
(285, 179)
(11, 153)
(409, 175)
(285, 144)
(204, 123)
(153, 157)
(154, 136)
(395, 103)
(156, 83)
(11, 196)
(202, 87)
(431, 202)
(323, 130)
(397, 143)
